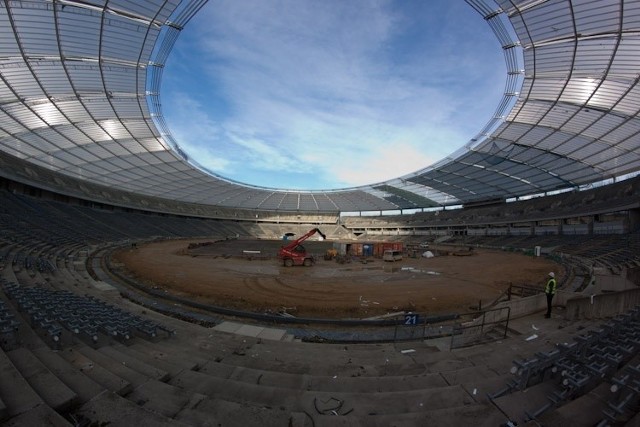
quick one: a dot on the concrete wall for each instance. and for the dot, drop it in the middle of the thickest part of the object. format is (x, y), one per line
(537, 303)
(611, 282)
(578, 306)
(602, 305)
(525, 306)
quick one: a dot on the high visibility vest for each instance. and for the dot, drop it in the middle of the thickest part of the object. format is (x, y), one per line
(551, 286)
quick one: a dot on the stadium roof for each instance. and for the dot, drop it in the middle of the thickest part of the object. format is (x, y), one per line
(80, 108)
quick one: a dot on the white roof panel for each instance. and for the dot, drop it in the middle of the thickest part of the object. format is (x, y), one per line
(77, 92)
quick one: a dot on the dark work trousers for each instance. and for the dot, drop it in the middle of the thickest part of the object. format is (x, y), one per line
(549, 299)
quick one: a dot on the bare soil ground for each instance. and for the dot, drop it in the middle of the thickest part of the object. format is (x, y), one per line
(219, 274)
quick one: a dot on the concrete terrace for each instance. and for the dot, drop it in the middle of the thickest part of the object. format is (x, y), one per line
(236, 374)
(75, 352)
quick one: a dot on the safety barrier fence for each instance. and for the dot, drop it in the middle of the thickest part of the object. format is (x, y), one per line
(464, 329)
(489, 325)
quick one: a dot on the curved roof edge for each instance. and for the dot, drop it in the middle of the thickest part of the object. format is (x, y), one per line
(80, 103)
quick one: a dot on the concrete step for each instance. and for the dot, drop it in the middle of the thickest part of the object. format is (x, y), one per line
(24, 277)
(358, 382)
(109, 408)
(477, 415)
(159, 360)
(316, 362)
(295, 400)
(16, 393)
(164, 399)
(254, 331)
(322, 355)
(174, 353)
(480, 389)
(448, 365)
(289, 338)
(40, 415)
(4, 411)
(478, 381)
(21, 404)
(468, 374)
(220, 412)
(307, 358)
(84, 387)
(96, 372)
(499, 359)
(580, 412)
(235, 391)
(364, 384)
(49, 387)
(516, 405)
(140, 366)
(116, 367)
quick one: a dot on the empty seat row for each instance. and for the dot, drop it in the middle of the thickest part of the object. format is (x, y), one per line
(51, 311)
(579, 366)
(8, 327)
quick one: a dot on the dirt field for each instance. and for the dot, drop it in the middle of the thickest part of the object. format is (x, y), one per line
(218, 274)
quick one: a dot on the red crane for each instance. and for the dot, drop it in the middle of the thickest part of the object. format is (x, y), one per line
(295, 254)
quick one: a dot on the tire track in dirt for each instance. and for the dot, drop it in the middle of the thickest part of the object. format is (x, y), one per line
(331, 288)
(275, 288)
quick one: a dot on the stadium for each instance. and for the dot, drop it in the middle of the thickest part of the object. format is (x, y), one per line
(419, 300)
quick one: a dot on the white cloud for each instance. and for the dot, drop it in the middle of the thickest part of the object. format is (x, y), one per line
(262, 155)
(338, 93)
(196, 133)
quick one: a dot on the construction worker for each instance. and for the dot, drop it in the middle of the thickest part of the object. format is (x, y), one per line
(550, 290)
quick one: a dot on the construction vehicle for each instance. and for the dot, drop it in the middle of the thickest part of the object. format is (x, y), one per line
(295, 254)
(391, 255)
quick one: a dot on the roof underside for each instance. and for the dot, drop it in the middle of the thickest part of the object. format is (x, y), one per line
(79, 101)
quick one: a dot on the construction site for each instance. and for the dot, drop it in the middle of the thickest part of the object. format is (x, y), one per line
(446, 261)
(248, 275)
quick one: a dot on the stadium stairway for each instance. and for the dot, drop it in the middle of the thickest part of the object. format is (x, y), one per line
(206, 376)
(244, 381)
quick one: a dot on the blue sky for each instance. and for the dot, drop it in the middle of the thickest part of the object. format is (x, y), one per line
(310, 95)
